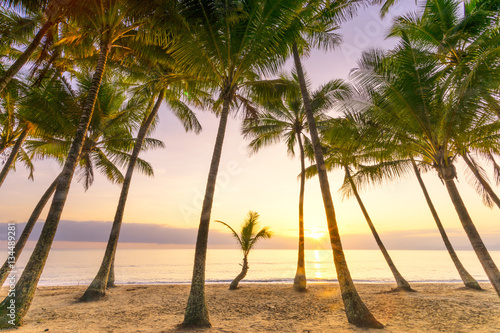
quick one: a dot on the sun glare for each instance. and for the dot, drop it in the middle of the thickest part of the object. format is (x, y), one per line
(315, 234)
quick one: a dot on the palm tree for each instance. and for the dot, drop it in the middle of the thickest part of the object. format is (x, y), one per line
(109, 17)
(227, 45)
(321, 19)
(285, 120)
(349, 144)
(161, 80)
(105, 147)
(466, 42)
(467, 279)
(247, 239)
(412, 97)
(392, 162)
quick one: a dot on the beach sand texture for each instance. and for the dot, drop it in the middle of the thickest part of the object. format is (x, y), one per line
(264, 308)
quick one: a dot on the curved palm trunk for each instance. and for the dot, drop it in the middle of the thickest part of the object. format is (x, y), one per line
(97, 288)
(400, 280)
(356, 311)
(23, 58)
(470, 229)
(467, 279)
(21, 242)
(472, 166)
(300, 282)
(13, 154)
(196, 313)
(241, 276)
(26, 286)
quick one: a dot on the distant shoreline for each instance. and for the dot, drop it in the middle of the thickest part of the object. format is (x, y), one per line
(435, 307)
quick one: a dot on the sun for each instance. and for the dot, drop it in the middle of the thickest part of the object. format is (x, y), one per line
(315, 234)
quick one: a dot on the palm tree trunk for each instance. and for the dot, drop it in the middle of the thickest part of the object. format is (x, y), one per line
(467, 279)
(26, 286)
(241, 276)
(470, 229)
(472, 166)
(300, 282)
(21, 242)
(23, 58)
(111, 276)
(356, 311)
(13, 154)
(97, 288)
(196, 313)
(400, 280)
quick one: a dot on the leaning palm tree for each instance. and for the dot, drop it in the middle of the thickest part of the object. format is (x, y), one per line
(105, 149)
(392, 162)
(247, 238)
(285, 120)
(464, 38)
(228, 45)
(317, 22)
(467, 279)
(418, 102)
(162, 84)
(112, 21)
(348, 144)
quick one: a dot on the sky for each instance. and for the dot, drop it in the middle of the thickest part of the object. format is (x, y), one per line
(166, 209)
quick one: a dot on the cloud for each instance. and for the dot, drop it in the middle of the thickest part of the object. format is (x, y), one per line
(98, 231)
(141, 233)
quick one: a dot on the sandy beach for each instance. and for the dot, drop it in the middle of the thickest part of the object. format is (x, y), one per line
(264, 308)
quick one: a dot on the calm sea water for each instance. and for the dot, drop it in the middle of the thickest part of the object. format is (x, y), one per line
(153, 266)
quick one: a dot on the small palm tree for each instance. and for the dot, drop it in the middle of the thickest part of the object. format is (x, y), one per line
(247, 238)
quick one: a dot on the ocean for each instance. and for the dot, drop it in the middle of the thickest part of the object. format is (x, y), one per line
(158, 266)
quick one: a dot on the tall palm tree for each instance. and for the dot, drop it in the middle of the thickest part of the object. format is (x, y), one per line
(391, 163)
(285, 120)
(349, 144)
(467, 279)
(112, 21)
(248, 237)
(106, 146)
(412, 96)
(318, 21)
(464, 39)
(226, 44)
(161, 80)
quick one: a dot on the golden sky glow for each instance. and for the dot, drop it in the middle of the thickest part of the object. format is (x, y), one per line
(266, 182)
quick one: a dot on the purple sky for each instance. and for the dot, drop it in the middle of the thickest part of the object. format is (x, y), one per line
(265, 182)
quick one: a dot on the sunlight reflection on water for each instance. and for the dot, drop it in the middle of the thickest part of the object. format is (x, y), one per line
(175, 266)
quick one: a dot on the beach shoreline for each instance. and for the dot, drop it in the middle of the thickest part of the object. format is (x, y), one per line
(435, 307)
